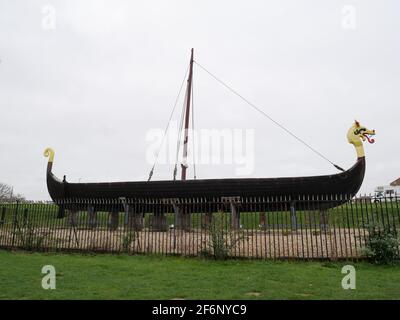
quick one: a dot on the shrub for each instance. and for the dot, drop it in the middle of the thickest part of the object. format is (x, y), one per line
(30, 238)
(128, 240)
(382, 245)
(222, 239)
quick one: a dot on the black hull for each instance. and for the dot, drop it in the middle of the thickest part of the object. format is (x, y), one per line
(215, 190)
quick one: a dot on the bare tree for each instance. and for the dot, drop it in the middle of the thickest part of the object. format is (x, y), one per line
(7, 194)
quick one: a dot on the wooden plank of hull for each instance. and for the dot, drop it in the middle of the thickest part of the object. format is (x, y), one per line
(345, 183)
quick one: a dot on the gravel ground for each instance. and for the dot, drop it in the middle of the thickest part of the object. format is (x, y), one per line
(307, 243)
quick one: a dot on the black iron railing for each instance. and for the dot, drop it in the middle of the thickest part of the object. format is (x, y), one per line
(324, 227)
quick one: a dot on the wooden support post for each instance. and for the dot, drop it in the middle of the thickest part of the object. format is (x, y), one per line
(158, 221)
(263, 222)
(61, 211)
(182, 217)
(3, 216)
(92, 218)
(126, 209)
(235, 212)
(235, 223)
(25, 221)
(323, 219)
(293, 216)
(206, 220)
(72, 221)
(72, 218)
(113, 220)
(135, 220)
(183, 220)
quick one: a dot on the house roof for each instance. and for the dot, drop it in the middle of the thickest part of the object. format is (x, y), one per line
(395, 182)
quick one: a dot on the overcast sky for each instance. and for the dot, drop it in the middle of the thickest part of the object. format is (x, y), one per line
(93, 78)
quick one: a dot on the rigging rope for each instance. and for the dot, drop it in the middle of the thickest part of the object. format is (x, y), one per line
(267, 116)
(166, 128)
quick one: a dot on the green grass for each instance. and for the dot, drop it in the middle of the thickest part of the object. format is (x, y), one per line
(152, 277)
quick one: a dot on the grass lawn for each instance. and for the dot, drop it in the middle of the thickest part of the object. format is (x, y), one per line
(153, 277)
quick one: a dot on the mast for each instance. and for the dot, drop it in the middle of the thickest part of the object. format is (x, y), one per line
(184, 164)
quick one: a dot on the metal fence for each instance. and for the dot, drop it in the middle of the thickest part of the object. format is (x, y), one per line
(325, 227)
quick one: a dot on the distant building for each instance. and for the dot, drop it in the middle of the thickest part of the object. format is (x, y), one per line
(390, 190)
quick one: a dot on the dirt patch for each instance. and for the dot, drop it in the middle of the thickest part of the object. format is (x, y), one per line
(253, 294)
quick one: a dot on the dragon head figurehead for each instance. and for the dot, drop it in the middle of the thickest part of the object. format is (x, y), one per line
(357, 134)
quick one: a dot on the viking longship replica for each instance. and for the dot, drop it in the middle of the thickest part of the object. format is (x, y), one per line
(347, 182)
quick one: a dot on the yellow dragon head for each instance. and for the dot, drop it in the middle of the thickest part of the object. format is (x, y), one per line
(357, 134)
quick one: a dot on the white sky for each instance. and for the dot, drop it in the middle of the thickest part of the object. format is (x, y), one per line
(109, 72)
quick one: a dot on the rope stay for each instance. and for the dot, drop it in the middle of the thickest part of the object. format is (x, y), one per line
(167, 127)
(267, 116)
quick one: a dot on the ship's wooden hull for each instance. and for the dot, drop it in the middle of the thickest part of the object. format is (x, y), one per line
(215, 190)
